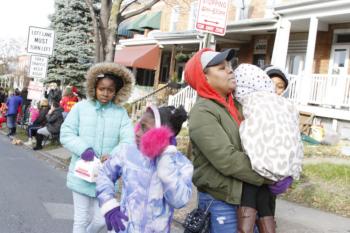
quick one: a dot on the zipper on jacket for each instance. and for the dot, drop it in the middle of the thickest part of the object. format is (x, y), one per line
(144, 219)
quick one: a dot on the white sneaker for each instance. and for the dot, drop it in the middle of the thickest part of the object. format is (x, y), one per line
(29, 142)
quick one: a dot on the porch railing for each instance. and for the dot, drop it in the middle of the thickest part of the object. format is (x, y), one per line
(157, 97)
(321, 89)
(186, 97)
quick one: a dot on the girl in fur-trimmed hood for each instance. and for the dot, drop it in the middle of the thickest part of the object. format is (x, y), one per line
(95, 129)
(124, 80)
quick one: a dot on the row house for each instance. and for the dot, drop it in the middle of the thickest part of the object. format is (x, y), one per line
(310, 39)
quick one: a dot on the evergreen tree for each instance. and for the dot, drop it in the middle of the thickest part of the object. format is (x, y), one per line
(73, 49)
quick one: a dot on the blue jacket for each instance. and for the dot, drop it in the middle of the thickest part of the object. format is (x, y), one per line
(13, 102)
(151, 188)
(101, 127)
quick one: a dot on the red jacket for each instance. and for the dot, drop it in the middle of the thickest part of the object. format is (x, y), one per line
(68, 102)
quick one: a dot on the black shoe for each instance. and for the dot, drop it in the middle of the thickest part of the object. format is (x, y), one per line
(37, 148)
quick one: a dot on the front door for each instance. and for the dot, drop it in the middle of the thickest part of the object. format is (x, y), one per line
(337, 85)
(339, 60)
(295, 63)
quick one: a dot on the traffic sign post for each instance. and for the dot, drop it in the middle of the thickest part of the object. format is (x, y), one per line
(40, 44)
(38, 67)
(212, 16)
(40, 41)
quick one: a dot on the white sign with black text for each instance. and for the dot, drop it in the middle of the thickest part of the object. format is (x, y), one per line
(38, 67)
(40, 41)
(35, 90)
(212, 16)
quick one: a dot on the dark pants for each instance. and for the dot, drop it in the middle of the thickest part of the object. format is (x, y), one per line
(11, 124)
(32, 129)
(259, 198)
(25, 111)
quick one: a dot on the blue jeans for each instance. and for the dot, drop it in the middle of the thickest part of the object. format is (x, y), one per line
(88, 217)
(223, 216)
(11, 121)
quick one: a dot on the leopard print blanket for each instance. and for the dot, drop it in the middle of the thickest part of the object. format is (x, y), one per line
(270, 135)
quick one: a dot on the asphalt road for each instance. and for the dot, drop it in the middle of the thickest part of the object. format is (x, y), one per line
(33, 195)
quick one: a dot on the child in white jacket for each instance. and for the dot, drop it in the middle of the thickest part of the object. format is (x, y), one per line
(156, 178)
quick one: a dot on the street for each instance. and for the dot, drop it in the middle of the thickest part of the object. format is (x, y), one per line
(33, 194)
(34, 199)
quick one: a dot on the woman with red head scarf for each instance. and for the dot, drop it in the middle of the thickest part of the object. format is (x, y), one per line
(220, 166)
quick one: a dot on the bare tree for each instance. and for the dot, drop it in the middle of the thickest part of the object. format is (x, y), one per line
(106, 18)
(9, 50)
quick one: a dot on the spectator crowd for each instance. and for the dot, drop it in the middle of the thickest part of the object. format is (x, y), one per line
(41, 119)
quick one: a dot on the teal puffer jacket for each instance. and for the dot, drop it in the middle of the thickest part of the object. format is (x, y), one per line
(102, 127)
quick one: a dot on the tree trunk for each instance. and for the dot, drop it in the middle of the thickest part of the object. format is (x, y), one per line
(104, 32)
(97, 57)
(112, 27)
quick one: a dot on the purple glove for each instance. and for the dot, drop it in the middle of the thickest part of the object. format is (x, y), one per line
(173, 141)
(281, 186)
(88, 155)
(114, 219)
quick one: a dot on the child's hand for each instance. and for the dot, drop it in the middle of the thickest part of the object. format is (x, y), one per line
(88, 155)
(103, 158)
(281, 186)
(114, 219)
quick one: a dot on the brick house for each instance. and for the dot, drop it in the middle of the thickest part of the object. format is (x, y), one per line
(310, 39)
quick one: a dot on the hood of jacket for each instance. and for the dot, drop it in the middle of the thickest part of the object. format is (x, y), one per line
(195, 77)
(107, 67)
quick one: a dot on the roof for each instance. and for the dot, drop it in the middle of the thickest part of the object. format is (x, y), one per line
(152, 21)
(142, 56)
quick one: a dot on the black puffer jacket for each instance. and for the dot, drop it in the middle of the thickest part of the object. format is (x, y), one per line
(54, 121)
(41, 120)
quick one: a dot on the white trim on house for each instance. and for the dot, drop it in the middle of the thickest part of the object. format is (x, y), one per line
(166, 38)
(318, 8)
(252, 25)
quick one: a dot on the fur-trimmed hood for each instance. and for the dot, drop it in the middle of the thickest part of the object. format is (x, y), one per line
(113, 68)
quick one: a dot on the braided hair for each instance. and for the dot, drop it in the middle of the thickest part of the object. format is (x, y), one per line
(173, 117)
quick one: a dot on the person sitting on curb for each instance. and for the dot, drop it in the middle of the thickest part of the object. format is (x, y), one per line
(39, 122)
(52, 128)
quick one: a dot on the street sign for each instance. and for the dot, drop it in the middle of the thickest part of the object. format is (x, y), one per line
(35, 90)
(212, 16)
(38, 67)
(40, 41)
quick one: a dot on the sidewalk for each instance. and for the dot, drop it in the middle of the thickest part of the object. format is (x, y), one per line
(291, 217)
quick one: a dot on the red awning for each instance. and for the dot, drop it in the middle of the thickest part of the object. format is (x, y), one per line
(144, 56)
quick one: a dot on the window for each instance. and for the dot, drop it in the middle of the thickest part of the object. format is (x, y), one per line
(145, 77)
(175, 12)
(164, 72)
(193, 16)
(342, 38)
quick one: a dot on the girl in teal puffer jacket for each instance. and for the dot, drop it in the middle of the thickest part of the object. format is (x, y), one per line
(96, 127)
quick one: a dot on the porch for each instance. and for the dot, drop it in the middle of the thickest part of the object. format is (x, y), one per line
(326, 96)
(323, 95)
